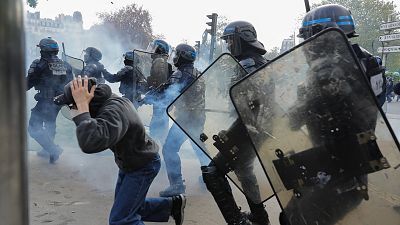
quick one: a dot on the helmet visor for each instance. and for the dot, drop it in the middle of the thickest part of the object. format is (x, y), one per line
(151, 47)
(233, 44)
(175, 59)
(86, 56)
(308, 31)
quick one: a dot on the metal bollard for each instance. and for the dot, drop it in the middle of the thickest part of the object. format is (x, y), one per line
(13, 175)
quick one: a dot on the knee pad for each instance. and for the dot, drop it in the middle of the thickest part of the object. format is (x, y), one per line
(213, 179)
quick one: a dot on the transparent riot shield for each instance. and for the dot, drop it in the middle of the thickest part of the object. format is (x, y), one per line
(212, 123)
(76, 64)
(328, 150)
(153, 67)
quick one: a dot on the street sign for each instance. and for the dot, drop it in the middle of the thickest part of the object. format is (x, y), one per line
(391, 25)
(389, 49)
(389, 37)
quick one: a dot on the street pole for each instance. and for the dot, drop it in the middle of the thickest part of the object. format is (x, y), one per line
(13, 176)
(384, 58)
(212, 47)
(213, 32)
(307, 5)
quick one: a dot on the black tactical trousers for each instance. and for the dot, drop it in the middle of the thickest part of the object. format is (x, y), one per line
(42, 124)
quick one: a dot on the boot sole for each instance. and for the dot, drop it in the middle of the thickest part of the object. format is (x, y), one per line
(183, 205)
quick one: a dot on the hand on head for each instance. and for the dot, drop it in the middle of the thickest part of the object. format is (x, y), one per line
(81, 94)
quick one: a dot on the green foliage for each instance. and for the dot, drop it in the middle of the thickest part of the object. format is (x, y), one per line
(32, 3)
(132, 22)
(368, 15)
(394, 75)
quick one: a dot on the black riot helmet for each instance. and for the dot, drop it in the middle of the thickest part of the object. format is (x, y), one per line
(240, 36)
(128, 58)
(326, 16)
(92, 54)
(131, 58)
(184, 53)
(158, 46)
(48, 45)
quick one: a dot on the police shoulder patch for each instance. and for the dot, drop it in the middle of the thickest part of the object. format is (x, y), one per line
(58, 68)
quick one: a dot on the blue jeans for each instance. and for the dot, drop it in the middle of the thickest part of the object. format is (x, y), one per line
(159, 123)
(131, 207)
(176, 137)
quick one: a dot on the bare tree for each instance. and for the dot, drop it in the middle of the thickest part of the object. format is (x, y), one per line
(132, 23)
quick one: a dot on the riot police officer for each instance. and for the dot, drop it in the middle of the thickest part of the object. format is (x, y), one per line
(334, 15)
(330, 202)
(93, 68)
(241, 38)
(159, 74)
(179, 80)
(48, 75)
(132, 80)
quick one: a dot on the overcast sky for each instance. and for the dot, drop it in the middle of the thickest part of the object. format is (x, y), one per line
(180, 20)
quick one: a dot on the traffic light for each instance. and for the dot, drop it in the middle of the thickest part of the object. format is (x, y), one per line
(213, 32)
(212, 24)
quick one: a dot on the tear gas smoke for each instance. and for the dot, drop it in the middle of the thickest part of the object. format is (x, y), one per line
(112, 48)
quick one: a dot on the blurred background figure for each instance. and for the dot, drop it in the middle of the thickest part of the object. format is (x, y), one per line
(132, 81)
(93, 66)
(48, 75)
(160, 71)
(185, 75)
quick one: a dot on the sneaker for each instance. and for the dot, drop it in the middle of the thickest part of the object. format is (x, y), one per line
(173, 190)
(178, 207)
(54, 156)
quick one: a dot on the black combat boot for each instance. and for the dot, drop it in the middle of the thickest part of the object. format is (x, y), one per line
(219, 187)
(257, 214)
